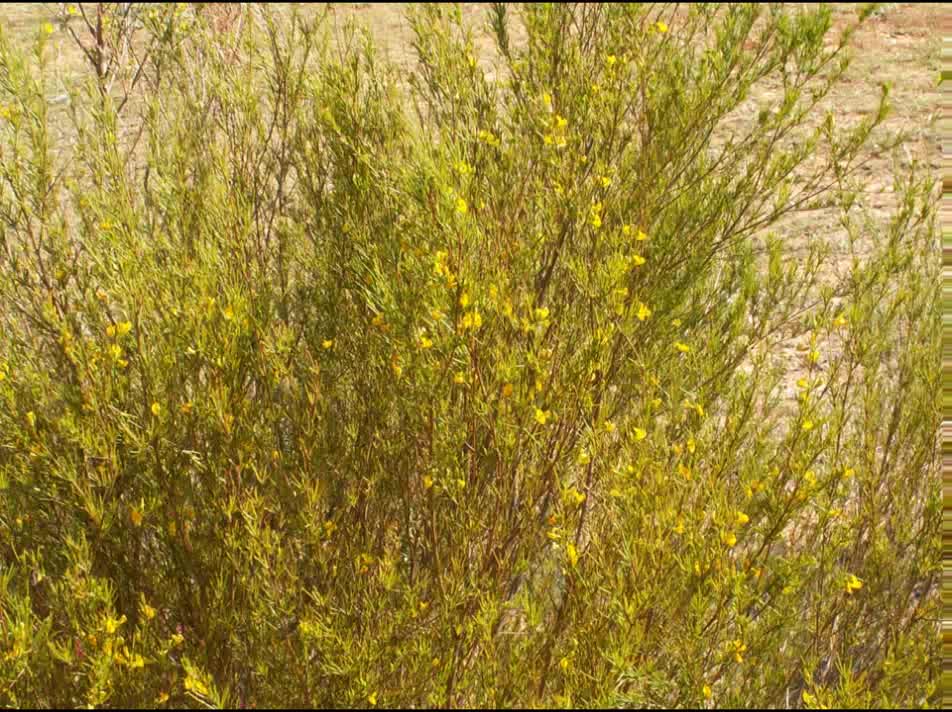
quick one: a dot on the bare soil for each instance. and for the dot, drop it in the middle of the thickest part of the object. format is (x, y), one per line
(900, 45)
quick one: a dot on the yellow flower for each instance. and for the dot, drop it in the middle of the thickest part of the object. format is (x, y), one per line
(185, 408)
(692, 446)
(115, 351)
(47, 28)
(641, 237)
(643, 311)
(147, 610)
(123, 328)
(848, 472)
(606, 181)
(853, 584)
(730, 539)
(135, 516)
(461, 206)
(572, 554)
(742, 519)
(464, 300)
(706, 691)
(195, 686)
(547, 99)
(807, 425)
(682, 347)
(506, 390)
(372, 699)
(110, 330)
(808, 699)
(564, 663)
(162, 698)
(637, 260)
(156, 409)
(425, 343)
(541, 416)
(640, 433)
(459, 377)
(626, 230)
(661, 27)
(327, 344)
(684, 471)
(609, 426)
(679, 527)
(112, 624)
(427, 482)
(610, 60)
(839, 321)
(541, 314)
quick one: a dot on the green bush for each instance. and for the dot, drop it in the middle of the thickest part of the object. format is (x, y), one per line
(325, 388)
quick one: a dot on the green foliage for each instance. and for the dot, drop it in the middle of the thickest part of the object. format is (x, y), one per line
(323, 388)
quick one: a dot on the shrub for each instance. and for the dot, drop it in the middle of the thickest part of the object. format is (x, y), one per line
(325, 388)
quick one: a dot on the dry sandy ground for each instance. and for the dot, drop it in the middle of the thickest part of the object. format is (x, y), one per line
(900, 45)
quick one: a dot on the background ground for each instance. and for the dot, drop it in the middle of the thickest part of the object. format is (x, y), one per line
(900, 45)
